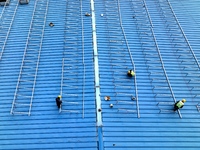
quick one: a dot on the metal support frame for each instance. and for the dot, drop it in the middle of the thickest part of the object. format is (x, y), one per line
(6, 24)
(198, 107)
(142, 15)
(182, 35)
(125, 109)
(179, 39)
(64, 94)
(185, 37)
(133, 64)
(24, 92)
(83, 60)
(120, 49)
(70, 61)
(165, 110)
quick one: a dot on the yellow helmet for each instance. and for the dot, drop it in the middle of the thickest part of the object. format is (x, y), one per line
(131, 72)
(183, 100)
(59, 96)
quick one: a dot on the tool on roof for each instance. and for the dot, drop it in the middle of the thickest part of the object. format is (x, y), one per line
(23, 2)
(107, 98)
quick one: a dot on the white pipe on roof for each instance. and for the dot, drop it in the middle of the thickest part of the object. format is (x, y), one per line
(96, 67)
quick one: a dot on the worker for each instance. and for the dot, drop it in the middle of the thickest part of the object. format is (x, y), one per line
(58, 101)
(51, 24)
(131, 73)
(179, 104)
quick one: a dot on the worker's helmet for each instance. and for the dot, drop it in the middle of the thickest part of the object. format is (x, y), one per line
(59, 96)
(183, 100)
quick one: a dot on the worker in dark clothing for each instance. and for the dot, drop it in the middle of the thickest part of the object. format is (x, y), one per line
(179, 104)
(131, 73)
(51, 24)
(58, 101)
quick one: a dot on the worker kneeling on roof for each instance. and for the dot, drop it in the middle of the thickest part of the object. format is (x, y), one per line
(179, 104)
(131, 73)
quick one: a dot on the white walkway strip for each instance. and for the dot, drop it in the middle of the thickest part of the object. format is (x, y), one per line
(96, 67)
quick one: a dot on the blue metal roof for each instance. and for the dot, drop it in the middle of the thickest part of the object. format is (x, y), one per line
(85, 59)
(46, 128)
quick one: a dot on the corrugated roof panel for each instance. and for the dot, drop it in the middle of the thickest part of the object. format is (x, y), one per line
(162, 60)
(157, 39)
(45, 128)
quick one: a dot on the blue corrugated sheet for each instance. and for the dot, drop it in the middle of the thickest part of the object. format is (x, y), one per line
(46, 128)
(166, 71)
(158, 39)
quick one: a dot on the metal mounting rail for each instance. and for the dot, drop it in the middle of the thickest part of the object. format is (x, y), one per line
(145, 6)
(70, 62)
(3, 11)
(133, 64)
(4, 26)
(154, 62)
(160, 57)
(83, 60)
(184, 34)
(24, 92)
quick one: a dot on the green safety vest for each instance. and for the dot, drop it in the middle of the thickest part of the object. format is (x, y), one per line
(131, 72)
(179, 104)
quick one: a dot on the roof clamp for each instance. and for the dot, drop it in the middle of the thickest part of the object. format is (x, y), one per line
(87, 14)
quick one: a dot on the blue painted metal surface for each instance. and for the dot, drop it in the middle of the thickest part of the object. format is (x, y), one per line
(160, 58)
(45, 128)
(158, 39)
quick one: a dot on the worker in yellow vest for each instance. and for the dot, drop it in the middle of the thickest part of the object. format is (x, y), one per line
(179, 104)
(131, 73)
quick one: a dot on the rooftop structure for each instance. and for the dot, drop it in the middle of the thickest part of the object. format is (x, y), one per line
(82, 50)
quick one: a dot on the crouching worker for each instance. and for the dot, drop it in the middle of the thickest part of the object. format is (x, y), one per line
(131, 73)
(58, 101)
(179, 104)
